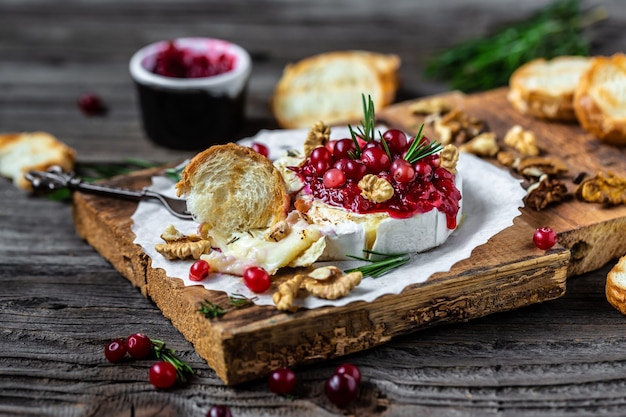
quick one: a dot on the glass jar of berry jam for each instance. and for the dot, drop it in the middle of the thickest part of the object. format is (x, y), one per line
(191, 91)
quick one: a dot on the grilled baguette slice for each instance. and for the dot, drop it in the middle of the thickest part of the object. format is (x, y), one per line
(329, 87)
(600, 99)
(232, 188)
(29, 151)
(616, 285)
(545, 88)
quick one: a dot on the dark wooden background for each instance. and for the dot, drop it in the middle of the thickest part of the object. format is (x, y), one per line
(60, 302)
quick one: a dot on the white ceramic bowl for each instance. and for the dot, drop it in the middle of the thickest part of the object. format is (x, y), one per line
(192, 113)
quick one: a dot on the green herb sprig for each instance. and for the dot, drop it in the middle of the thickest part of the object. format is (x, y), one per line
(183, 370)
(485, 63)
(366, 130)
(421, 148)
(380, 267)
(211, 310)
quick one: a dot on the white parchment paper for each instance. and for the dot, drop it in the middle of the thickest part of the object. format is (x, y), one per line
(491, 200)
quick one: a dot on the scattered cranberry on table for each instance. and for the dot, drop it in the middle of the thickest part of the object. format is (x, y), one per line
(91, 104)
(343, 386)
(219, 411)
(115, 351)
(138, 345)
(351, 370)
(341, 389)
(544, 238)
(282, 381)
(163, 375)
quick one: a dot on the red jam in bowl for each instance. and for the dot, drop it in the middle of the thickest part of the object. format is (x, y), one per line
(429, 187)
(179, 62)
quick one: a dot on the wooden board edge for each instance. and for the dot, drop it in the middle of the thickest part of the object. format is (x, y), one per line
(308, 336)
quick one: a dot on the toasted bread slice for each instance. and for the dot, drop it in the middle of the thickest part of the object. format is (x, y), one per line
(329, 87)
(232, 188)
(600, 99)
(29, 151)
(616, 285)
(545, 88)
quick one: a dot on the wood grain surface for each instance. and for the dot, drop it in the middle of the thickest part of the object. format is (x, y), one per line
(61, 301)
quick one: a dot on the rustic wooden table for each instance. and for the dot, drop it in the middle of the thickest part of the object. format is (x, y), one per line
(60, 302)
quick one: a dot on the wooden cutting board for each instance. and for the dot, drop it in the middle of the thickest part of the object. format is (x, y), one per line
(506, 273)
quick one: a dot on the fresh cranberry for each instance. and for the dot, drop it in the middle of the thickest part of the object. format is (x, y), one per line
(343, 149)
(402, 171)
(320, 167)
(219, 411)
(341, 389)
(330, 145)
(115, 350)
(163, 375)
(341, 164)
(199, 270)
(434, 160)
(351, 370)
(355, 170)
(321, 153)
(334, 178)
(396, 140)
(257, 279)
(261, 148)
(91, 104)
(282, 381)
(375, 159)
(544, 238)
(423, 169)
(138, 345)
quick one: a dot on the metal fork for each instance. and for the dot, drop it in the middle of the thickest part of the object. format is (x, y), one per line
(55, 178)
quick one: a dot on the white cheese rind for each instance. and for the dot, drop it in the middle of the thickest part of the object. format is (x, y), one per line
(378, 231)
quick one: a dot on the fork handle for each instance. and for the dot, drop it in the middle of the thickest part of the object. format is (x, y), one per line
(100, 189)
(55, 178)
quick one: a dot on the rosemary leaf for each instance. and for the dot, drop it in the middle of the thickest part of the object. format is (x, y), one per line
(211, 310)
(378, 268)
(420, 149)
(485, 63)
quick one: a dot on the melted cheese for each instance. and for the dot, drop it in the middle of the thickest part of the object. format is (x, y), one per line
(244, 249)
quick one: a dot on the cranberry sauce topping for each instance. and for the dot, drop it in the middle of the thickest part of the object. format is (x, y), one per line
(418, 187)
(187, 63)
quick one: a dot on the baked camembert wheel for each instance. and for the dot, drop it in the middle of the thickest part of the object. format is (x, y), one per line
(378, 192)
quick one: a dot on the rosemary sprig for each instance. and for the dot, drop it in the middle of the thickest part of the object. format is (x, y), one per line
(420, 148)
(485, 63)
(211, 310)
(366, 130)
(183, 370)
(377, 268)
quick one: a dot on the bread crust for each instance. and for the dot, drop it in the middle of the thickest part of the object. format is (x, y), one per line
(375, 74)
(600, 99)
(545, 88)
(233, 188)
(32, 151)
(615, 288)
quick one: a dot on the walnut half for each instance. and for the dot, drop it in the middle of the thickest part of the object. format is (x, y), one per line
(375, 189)
(603, 188)
(180, 246)
(544, 192)
(318, 136)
